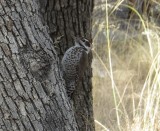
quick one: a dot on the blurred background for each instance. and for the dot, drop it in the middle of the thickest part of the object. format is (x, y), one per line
(126, 65)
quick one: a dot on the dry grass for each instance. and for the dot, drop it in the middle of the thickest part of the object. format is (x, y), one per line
(126, 76)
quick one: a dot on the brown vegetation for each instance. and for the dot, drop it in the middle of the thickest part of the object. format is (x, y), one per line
(126, 67)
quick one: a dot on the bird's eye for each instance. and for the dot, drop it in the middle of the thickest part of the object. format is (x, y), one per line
(87, 44)
(83, 40)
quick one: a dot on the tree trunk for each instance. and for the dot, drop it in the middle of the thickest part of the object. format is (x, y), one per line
(67, 18)
(32, 91)
(73, 18)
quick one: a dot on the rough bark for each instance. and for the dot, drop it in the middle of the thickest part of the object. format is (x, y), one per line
(32, 91)
(73, 18)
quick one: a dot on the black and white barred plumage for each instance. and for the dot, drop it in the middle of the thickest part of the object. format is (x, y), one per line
(75, 62)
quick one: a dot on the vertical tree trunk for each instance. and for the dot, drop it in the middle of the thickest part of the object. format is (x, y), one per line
(32, 91)
(73, 18)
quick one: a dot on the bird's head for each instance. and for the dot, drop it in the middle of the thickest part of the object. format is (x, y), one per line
(83, 42)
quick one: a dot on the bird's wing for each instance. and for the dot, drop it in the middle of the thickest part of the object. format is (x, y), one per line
(83, 63)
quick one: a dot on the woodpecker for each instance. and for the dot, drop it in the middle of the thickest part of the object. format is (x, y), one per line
(75, 62)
